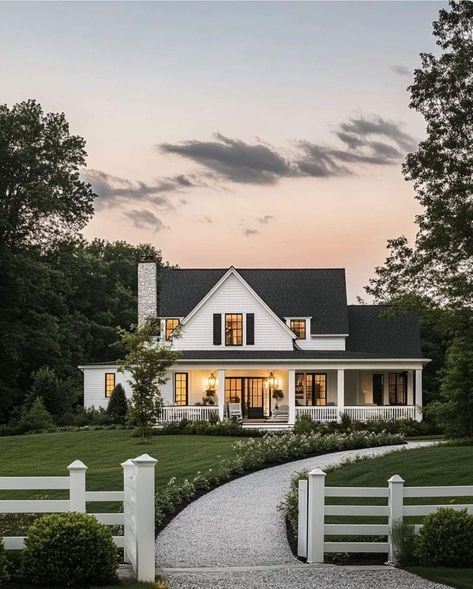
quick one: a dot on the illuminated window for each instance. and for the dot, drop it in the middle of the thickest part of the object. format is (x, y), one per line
(180, 388)
(298, 327)
(109, 383)
(171, 325)
(233, 329)
(311, 388)
(397, 383)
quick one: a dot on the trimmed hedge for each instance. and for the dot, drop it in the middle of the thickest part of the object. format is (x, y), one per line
(69, 549)
(255, 454)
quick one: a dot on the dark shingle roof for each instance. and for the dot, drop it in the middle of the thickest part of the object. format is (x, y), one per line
(316, 293)
(372, 332)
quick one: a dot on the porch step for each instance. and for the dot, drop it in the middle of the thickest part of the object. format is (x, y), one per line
(270, 426)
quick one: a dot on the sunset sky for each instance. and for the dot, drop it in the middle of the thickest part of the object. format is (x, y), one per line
(254, 134)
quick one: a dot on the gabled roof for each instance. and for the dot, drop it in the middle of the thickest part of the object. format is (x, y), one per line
(316, 293)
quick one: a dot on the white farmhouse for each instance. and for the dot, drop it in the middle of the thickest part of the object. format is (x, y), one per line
(246, 333)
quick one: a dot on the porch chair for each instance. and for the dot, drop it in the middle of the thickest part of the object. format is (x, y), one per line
(234, 410)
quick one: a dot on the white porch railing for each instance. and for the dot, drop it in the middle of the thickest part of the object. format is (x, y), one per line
(137, 497)
(319, 413)
(170, 413)
(387, 412)
(313, 509)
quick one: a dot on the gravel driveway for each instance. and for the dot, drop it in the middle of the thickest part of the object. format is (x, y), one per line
(236, 537)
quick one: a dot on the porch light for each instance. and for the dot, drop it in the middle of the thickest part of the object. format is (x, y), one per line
(212, 380)
(272, 380)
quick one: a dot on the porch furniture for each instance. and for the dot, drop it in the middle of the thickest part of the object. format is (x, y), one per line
(234, 411)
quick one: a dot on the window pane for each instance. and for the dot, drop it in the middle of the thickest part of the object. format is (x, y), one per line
(171, 325)
(397, 384)
(109, 383)
(180, 387)
(298, 327)
(233, 329)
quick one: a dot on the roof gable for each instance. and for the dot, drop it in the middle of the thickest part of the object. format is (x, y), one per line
(316, 293)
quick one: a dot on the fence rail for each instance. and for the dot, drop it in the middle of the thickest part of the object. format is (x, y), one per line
(169, 414)
(312, 543)
(137, 517)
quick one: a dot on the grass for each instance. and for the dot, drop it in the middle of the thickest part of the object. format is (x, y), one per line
(459, 578)
(103, 451)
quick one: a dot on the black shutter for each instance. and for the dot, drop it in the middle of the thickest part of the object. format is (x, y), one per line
(250, 329)
(217, 329)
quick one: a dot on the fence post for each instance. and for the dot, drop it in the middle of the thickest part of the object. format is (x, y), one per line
(316, 516)
(396, 510)
(128, 468)
(77, 470)
(302, 519)
(145, 514)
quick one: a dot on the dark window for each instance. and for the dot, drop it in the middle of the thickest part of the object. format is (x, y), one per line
(217, 329)
(397, 383)
(298, 327)
(181, 388)
(311, 388)
(171, 325)
(250, 329)
(109, 383)
(233, 329)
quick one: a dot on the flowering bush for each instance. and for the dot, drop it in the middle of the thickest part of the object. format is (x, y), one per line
(254, 454)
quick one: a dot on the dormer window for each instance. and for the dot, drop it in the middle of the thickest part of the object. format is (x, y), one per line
(298, 327)
(233, 329)
(171, 325)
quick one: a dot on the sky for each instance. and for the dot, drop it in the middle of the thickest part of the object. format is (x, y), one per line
(253, 134)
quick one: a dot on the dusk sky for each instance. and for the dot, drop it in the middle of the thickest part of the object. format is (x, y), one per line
(254, 134)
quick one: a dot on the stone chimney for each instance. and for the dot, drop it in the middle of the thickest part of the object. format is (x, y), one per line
(147, 290)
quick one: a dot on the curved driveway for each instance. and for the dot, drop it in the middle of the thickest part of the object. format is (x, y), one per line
(237, 535)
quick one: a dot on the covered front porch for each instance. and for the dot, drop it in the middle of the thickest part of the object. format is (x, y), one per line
(272, 394)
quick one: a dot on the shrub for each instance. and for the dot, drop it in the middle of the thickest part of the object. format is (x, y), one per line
(304, 424)
(69, 549)
(117, 408)
(446, 539)
(3, 565)
(404, 540)
(36, 418)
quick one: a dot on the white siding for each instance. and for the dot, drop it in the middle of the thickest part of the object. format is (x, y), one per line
(233, 297)
(94, 386)
(335, 342)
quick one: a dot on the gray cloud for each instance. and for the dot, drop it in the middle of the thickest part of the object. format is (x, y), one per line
(364, 141)
(113, 191)
(266, 219)
(206, 220)
(248, 232)
(401, 70)
(145, 219)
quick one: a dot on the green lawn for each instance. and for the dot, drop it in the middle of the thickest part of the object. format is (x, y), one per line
(431, 466)
(103, 452)
(459, 578)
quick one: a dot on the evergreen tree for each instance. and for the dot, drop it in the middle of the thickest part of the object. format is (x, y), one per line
(117, 408)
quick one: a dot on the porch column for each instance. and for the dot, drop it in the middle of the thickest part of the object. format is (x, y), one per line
(340, 391)
(221, 394)
(419, 394)
(291, 393)
(410, 387)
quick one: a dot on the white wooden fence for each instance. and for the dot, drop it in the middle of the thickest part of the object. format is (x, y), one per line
(170, 413)
(137, 517)
(312, 528)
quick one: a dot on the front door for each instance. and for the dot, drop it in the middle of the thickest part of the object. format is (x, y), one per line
(378, 389)
(251, 393)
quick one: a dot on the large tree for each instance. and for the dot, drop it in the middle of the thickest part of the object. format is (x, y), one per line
(42, 198)
(439, 265)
